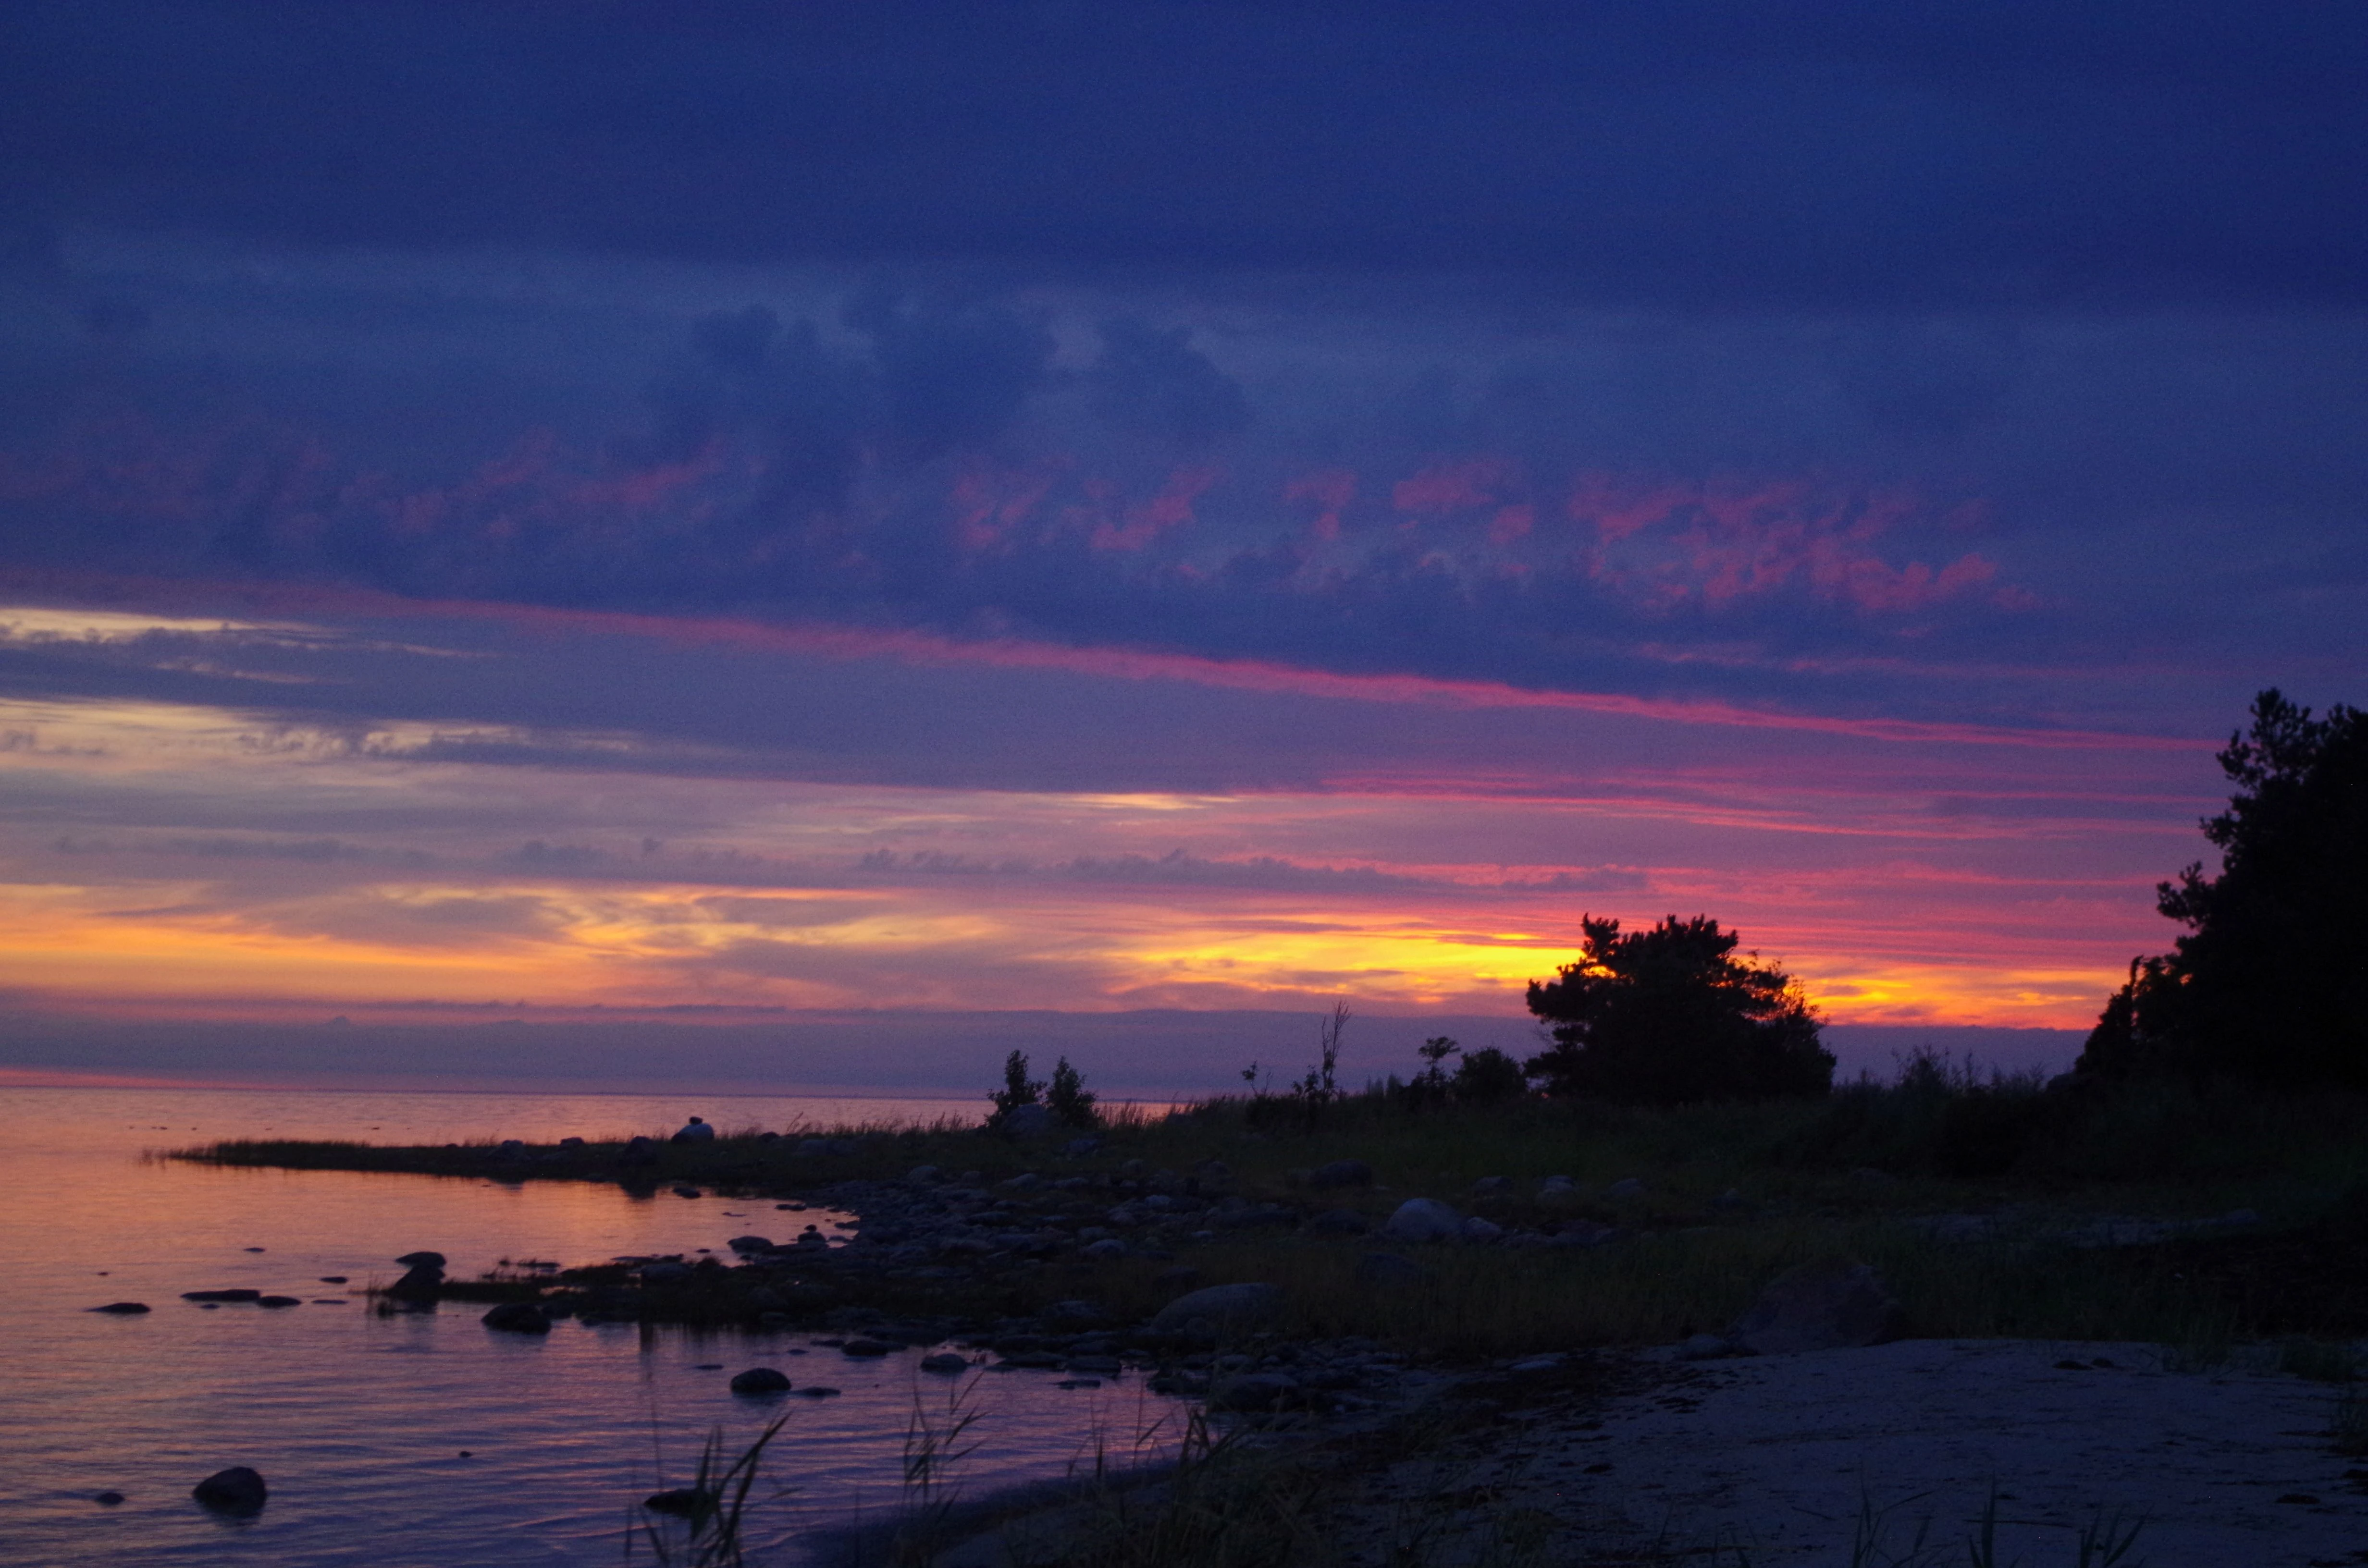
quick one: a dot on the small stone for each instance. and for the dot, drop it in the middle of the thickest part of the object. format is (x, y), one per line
(868, 1348)
(761, 1380)
(234, 1295)
(1341, 1173)
(120, 1308)
(435, 1260)
(749, 1243)
(1537, 1363)
(1108, 1247)
(1627, 1187)
(946, 1363)
(1487, 1186)
(333, 1278)
(108, 1499)
(923, 1175)
(687, 1192)
(276, 1302)
(678, 1503)
(1475, 1229)
(237, 1490)
(1339, 1223)
(812, 1392)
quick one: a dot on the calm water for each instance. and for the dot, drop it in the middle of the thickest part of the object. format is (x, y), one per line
(358, 1421)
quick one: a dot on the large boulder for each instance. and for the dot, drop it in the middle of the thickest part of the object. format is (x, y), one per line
(1832, 1304)
(237, 1490)
(1221, 1307)
(1025, 1121)
(1423, 1219)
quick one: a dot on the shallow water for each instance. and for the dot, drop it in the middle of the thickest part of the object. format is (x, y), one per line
(359, 1423)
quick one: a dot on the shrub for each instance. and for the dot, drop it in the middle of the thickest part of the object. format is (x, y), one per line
(1018, 1088)
(1488, 1077)
(1071, 1103)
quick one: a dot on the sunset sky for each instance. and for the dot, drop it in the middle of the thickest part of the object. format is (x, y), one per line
(744, 512)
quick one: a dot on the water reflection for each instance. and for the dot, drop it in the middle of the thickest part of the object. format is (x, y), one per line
(361, 1423)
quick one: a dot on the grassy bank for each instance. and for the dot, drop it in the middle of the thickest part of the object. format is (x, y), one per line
(1981, 1201)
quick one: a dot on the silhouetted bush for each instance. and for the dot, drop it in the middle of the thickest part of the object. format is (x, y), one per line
(1670, 1016)
(1071, 1103)
(2271, 981)
(1487, 1076)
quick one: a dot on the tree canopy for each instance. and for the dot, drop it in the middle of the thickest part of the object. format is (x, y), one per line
(2270, 982)
(1670, 1015)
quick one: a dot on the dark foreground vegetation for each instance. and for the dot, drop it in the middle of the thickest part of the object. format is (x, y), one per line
(1993, 1205)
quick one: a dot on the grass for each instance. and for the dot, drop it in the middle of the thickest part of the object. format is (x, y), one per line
(713, 1528)
(1848, 1174)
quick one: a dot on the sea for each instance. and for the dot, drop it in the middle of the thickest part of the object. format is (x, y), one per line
(428, 1439)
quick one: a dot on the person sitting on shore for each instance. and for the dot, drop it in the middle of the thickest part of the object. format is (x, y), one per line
(695, 1132)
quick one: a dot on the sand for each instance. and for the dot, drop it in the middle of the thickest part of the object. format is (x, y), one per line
(2230, 1468)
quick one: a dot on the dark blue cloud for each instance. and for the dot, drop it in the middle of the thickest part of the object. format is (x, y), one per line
(1734, 151)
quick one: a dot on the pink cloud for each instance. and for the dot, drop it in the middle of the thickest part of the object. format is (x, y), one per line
(989, 501)
(1667, 544)
(1467, 484)
(1170, 509)
(1331, 490)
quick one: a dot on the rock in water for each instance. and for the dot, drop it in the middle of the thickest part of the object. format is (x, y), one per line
(760, 1380)
(423, 1281)
(518, 1317)
(120, 1308)
(679, 1502)
(1832, 1304)
(435, 1260)
(237, 1490)
(1220, 1306)
(1425, 1219)
(947, 1363)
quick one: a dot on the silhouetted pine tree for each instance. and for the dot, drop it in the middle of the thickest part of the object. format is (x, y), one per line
(2270, 980)
(1670, 1016)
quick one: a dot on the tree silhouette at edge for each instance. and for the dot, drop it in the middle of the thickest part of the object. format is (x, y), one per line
(2270, 982)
